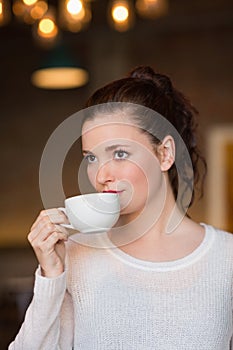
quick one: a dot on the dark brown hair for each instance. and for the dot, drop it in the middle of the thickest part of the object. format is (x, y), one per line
(155, 91)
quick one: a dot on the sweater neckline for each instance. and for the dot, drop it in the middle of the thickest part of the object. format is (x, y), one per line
(191, 258)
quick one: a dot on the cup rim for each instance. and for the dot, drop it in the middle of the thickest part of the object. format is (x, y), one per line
(98, 194)
(83, 199)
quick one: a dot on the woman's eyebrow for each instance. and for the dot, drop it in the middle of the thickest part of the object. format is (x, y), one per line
(108, 148)
(86, 152)
(112, 147)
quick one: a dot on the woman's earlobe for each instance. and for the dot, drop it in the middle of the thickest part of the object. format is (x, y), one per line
(167, 153)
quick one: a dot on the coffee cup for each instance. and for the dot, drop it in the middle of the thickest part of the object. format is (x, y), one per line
(92, 212)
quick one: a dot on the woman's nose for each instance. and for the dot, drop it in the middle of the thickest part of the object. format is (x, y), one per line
(105, 173)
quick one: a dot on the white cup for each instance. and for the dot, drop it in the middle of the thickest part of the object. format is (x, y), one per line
(93, 212)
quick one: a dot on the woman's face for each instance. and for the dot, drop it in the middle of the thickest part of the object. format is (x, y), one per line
(120, 158)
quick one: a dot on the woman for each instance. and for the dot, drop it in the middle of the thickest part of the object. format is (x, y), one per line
(162, 281)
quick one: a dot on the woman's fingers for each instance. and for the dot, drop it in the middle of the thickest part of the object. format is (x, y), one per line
(47, 238)
(43, 231)
(55, 216)
(48, 244)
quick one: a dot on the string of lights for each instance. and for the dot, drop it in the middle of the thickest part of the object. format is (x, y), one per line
(76, 15)
(48, 20)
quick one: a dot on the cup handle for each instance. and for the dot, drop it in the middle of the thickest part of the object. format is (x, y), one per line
(65, 225)
(62, 209)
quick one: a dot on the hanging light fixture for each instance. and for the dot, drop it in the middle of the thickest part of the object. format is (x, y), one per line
(74, 15)
(5, 12)
(45, 30)
(121, 15)
(59, 71)
(152, 9)
(28, 11)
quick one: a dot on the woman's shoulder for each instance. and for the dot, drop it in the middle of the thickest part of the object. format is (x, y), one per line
(220, 233)
(222, 238)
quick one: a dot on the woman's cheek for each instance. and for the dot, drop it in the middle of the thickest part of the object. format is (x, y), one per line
(91, 174)
(135, 175)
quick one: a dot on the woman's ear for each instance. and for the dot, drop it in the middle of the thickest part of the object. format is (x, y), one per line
(166, 153)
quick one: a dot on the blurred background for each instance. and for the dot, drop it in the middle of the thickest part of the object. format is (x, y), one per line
(191, 41)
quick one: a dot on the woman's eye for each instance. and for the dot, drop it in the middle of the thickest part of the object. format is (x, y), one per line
(121, 154)
(90, 158)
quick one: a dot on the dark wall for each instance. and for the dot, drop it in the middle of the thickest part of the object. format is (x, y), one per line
(193, 45)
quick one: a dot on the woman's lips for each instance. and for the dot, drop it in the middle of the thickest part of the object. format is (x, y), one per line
(112, 191)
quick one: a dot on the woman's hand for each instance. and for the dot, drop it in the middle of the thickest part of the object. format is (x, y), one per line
(47, 238)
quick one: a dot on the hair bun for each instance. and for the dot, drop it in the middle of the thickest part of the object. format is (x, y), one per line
(161, 81)
(143, 72)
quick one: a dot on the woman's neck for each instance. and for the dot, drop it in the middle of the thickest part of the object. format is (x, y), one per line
(156, 245)
(151, 223)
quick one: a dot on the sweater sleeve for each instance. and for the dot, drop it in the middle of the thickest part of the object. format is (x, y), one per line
(48, 322)
(231, 342)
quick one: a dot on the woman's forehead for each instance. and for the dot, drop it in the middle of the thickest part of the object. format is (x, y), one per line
(117, 132)
(105, 119)
(113, 125)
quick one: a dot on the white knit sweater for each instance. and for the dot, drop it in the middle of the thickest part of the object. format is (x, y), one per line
(108, 300)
